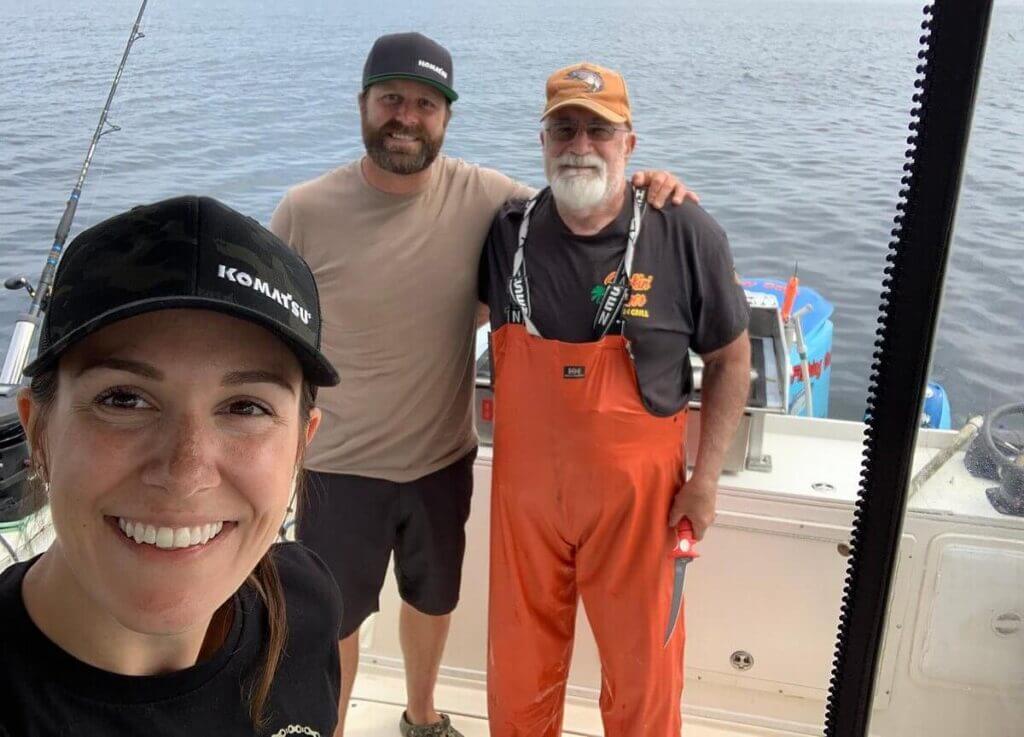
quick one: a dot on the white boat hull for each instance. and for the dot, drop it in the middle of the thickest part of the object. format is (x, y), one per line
(769, 584)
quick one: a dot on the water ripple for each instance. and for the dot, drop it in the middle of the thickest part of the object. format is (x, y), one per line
(790, 119)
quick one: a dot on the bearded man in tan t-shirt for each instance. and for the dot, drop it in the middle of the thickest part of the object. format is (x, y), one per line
(394, 242)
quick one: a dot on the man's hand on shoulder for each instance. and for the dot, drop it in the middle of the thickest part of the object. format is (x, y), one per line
(663, 186)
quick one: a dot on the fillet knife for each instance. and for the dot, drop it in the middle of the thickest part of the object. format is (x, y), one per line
(684, 551)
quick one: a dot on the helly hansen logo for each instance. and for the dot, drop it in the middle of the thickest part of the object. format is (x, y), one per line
(235, 276)
(520, 292)
(434, 68)
(574, 372)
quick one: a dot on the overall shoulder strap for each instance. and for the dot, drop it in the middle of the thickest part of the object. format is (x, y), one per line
(518, 310)
(616, 294)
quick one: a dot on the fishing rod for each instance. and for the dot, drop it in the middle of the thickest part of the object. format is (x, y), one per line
(25, 327)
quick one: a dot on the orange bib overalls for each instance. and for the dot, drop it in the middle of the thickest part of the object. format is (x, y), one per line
(583, 480)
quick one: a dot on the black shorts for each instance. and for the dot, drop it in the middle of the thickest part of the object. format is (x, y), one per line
(354, 523)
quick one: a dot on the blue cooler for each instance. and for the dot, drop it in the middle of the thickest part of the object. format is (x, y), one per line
(936, 412)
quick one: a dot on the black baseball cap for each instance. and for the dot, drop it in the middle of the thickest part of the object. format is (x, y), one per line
(186, 252)
(410, 56)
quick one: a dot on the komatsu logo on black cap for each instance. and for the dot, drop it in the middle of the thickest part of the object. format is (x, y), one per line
(433, 67)
(285, 299)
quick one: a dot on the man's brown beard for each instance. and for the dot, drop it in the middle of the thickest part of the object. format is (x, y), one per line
(398, 163)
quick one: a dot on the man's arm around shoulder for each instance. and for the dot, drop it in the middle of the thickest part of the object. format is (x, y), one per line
(504, 226)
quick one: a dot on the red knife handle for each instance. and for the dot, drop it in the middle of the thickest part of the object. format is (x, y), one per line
(685, 544)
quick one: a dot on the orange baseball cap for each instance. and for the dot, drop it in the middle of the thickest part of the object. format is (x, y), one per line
(600, 90)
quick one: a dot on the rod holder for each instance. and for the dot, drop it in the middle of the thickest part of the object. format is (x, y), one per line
(17, 352)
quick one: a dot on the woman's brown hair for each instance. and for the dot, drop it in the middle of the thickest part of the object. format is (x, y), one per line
(268, 585)
(263, 579)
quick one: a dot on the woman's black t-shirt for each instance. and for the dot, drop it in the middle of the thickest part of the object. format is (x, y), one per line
(46, 691)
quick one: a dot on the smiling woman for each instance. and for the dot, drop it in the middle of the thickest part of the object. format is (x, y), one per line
(171, 403)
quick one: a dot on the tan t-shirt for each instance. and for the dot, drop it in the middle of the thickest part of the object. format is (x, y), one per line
(397, 279)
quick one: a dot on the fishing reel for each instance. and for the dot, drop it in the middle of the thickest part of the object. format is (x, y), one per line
(12, 363)
(997, 454)
(20, 282)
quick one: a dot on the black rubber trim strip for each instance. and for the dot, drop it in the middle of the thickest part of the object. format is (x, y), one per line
(951, 56)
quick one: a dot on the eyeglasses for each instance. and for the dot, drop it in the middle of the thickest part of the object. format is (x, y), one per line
(564, 131)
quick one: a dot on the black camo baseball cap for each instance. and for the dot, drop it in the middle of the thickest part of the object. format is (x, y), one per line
(410, 56)
(185, 252)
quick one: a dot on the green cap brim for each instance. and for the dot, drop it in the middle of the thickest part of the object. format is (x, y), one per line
(448, 92)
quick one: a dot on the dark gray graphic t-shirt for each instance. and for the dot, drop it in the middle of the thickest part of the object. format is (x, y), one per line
(684, 290)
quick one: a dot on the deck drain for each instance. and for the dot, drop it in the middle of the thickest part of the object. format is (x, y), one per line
(1007, 624)
(742, 660)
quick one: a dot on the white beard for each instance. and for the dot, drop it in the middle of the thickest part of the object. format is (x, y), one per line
(582, 191)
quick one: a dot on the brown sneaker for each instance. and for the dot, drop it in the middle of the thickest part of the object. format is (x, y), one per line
(442, 728)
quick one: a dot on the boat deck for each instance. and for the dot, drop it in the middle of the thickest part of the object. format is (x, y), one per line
(379, 697)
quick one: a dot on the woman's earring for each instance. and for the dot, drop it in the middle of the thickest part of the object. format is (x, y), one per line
(42, 475)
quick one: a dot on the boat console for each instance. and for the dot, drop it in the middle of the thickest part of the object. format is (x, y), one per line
(770, 372)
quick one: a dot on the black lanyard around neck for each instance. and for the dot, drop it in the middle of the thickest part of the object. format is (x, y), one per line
(616, 294)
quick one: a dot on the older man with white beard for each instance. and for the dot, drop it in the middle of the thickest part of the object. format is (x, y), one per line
(595, 303)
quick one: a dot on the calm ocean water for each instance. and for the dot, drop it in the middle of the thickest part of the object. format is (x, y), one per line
(789, 119)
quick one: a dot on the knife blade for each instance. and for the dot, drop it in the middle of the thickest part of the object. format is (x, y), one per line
(684, 551)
